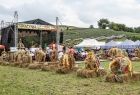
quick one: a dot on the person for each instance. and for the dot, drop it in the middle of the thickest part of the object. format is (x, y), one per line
(60, 55)
(71, 51)
(64, 48)
(53, 45)
(83, 54)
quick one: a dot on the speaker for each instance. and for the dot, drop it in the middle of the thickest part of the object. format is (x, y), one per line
(61, 37)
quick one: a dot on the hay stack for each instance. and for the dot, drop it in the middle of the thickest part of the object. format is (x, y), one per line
(102, 72)
(15, 64)
(4, 63)
(123, 77)
(110, 78)
(23, 65)
(75, 68)
(34, 66)
(63, 70)
(49, 67)
(117, 78)
(86, 73)
(45, 67)
(1, 62)
(135, 76)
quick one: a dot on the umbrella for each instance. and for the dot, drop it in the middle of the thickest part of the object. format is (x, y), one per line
(2, 46)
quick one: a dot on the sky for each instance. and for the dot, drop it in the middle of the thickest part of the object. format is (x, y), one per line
(81, 13)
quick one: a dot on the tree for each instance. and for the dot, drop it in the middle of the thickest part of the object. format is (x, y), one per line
(137, 29)
(103, 23)
(117, 26)
(121, 27)
(91, 26)
(129, 29)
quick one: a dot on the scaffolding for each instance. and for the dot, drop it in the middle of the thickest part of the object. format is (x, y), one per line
(14, 23)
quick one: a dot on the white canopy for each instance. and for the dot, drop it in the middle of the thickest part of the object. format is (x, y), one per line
(137, 43)
(90, 43)
(111, 44)
(127, 44)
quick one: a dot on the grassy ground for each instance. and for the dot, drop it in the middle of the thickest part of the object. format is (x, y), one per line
(19, 81)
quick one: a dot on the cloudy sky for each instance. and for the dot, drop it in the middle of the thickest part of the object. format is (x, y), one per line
(73, 12)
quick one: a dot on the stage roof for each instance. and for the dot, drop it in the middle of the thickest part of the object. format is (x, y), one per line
(37, 21)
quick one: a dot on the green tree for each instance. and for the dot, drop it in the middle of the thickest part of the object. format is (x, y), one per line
(121, 27)
(117, 26)
(91, 26)
(113, 26)
(129, 29)
(137, 29)
(103, 23)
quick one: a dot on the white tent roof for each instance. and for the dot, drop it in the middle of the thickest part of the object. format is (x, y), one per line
(111, 44)
(90, 43)
(127, 44)
(137, 42)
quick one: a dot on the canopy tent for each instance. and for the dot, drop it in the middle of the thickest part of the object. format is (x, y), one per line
(2, 46)
(111, 44)
(127, 44)
(137, 43)
(92, 43)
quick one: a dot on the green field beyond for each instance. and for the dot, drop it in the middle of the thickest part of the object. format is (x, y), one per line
(93, 33)
(22, 81)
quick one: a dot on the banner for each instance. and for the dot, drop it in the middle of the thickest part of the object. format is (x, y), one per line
(35, 26)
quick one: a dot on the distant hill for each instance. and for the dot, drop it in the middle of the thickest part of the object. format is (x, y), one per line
(81, 33)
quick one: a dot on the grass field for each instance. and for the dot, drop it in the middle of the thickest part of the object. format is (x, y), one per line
(19, 81)
(88, 33)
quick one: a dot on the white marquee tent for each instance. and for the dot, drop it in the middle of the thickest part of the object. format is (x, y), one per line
(111, 44)
(137, 43)
(127, 44)
(92, 43)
